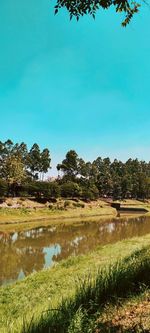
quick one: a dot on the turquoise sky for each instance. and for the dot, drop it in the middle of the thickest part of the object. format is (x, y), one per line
(69, 85)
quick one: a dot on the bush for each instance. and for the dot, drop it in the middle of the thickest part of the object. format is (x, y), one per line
(70, 190)
(3, 188)
(90, 193)
(44, 189)
(78, 204)
(66, 204)
(22, 199)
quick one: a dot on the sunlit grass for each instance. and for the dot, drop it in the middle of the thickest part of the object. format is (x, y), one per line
(45, 290)
(11, 215)
(120, 280)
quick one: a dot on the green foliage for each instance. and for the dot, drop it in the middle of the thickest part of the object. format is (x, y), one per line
(66, 203)
(18, 166)
(45, 161)
(3, 188)
(90, 192)
(105, 178)
(70, 189)
(22, 170)
(43, 189)
(34, 159)
(78, 204)
(38, 162)
(80, 322)
(82, 7)
(13, 170)
(69, 165)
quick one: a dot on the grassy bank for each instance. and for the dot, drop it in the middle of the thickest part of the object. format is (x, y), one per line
(120, 281)
(25, 211)
(41, 291)
(26, 215)
(61, 222)
(61, 210)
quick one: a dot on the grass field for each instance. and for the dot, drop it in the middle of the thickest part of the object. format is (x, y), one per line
(28, 300)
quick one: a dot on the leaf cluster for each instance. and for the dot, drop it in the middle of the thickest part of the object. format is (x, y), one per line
(78, 8)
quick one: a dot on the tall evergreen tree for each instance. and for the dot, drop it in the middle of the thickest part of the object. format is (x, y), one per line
(70, 165)
(45, 161)
(34, 160)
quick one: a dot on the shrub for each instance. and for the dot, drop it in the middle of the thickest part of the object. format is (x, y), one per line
(90, 193)
(70, 189)
(44, 189)
(3, 188)
(79, 204)
(22, 199)
(66, 204)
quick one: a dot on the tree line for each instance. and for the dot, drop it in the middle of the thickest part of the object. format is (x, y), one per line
(22, 173)
(20, 166)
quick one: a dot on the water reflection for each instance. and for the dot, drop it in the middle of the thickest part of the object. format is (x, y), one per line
(22, 253)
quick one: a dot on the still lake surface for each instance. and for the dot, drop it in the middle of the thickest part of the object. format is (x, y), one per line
(24, 252)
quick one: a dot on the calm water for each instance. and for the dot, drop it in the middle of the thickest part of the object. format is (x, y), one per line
(22, 253)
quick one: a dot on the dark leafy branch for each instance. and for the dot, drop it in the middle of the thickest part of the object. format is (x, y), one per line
(78, 8)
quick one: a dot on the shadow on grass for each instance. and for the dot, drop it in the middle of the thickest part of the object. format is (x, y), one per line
(104, 328)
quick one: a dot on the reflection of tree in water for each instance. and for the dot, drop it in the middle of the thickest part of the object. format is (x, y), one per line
(15, 260)
(9, 262)
(95, 234)
(33, 260)
(25, 251)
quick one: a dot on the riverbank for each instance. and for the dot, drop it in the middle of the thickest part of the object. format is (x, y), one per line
(18, 211)
(41, 291)
(29, 211)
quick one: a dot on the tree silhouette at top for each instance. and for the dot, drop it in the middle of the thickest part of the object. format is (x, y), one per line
(78, 8)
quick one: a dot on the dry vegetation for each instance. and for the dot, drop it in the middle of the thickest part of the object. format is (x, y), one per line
(133, 315)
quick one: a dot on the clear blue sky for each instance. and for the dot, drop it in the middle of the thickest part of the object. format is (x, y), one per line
(69, 85)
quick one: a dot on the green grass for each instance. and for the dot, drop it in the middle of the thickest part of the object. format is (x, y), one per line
(45, 290)
(44, 222)
(120, 280)
(20, 215)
